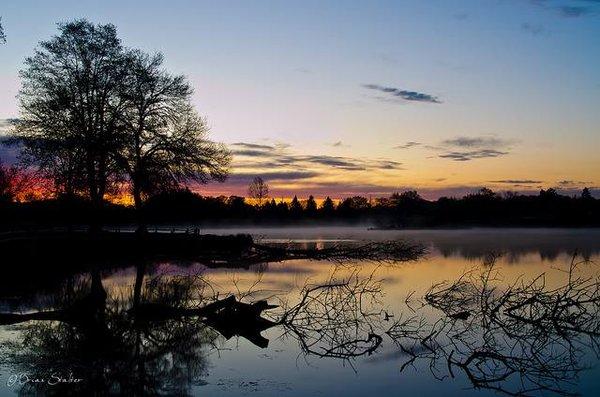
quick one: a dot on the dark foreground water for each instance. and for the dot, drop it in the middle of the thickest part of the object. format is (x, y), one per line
(484, 312)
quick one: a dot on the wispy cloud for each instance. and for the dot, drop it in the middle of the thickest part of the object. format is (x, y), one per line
(472, 154)
(569, 182)
(464, 148)
(280, 156)
(298, 173)
(517, 181)
(253, 146)
(569, 8)
(398, 93)
(245, 177)
(388, 164)
(485, 141)
(408, 145)
(249, 153)
(330, 161)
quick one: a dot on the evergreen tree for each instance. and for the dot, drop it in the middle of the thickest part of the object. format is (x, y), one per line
(296, 208)
(327, 207)
(311, 206)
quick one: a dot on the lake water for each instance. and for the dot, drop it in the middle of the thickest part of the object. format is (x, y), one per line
(374, 335)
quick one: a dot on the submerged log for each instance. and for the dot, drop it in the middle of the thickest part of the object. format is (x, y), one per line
(227, 316)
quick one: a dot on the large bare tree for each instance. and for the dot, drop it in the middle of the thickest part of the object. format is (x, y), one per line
(165, 142)
(258, 189)
(94, 114)
(70, 107)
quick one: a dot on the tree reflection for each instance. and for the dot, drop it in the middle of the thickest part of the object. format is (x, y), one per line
(112, 350)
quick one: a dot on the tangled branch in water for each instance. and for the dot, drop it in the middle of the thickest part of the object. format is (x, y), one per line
(527, 336)
(339, 318)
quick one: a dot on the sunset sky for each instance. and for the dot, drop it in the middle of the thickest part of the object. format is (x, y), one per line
(341, 98)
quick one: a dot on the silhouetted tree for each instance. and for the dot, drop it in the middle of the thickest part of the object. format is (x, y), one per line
(258, 190)
(94, 115)
(237, 206)
(311, 207)
(295, 208)
(282, 209)
(409, 199)
(549, 193)
(327, 207)
(70, 104)
(510, 195)
(484, 193)
(360, 203)
(164, 141)
(405, 205)
(353, 207)
(269, 210)
(586, 195)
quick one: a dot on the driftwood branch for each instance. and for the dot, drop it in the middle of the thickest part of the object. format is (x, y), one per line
(523, 339)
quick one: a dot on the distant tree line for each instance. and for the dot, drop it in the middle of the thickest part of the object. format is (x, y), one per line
(399, 210)
(407, 209)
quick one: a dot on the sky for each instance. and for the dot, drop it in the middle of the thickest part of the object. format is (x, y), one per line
(366, 98)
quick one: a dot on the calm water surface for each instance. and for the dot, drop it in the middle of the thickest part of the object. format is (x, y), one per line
(211, 365)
